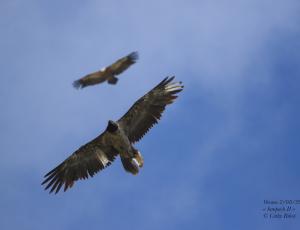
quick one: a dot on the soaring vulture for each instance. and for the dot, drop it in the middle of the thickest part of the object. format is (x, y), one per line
(108, 73)
(117, 139)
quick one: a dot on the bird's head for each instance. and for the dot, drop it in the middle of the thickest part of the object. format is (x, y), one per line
(112, 126)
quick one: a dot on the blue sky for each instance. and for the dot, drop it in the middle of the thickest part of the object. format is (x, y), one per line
(230, 141)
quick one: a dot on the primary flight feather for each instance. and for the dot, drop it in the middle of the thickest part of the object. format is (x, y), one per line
(117, 139)
(108, 73)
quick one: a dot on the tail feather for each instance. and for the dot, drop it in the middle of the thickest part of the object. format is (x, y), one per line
(130, 165)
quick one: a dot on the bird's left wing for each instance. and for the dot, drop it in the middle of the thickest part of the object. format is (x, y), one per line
(148, 109)
(91, 79)
(123, 63)
(86, 161)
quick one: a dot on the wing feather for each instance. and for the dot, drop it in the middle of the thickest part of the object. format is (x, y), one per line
(148, 110)
(82, 164)
(92, 79)
(123, 63)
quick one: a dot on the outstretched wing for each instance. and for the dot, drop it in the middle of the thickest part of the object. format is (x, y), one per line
(148, 109)
(122, 64)
(92, 79)
(86, 161)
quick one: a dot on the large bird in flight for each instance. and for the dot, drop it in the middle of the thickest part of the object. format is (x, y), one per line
(108, 73)
(117, 139)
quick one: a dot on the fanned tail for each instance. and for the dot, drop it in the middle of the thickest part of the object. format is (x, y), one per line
(130, 165)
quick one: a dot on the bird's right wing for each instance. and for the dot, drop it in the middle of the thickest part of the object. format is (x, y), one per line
(86, 161)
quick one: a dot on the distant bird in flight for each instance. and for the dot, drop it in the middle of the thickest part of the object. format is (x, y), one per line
(108, 73)
(117, 139)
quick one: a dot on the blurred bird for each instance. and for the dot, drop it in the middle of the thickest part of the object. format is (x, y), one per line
(108, 73)
(117, 139)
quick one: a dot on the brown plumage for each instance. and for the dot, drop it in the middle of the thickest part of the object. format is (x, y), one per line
(107, 74)
(148, 109)
(118, 138)
(86, 161)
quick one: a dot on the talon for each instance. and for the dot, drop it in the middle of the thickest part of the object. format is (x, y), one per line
(139, 159)
(135, 162)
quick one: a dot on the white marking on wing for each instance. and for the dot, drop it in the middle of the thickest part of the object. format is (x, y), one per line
(102, 157)
(173, 87)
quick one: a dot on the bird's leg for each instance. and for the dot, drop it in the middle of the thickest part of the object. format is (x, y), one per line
(135, 163)
(138, 157)
(112, 80)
